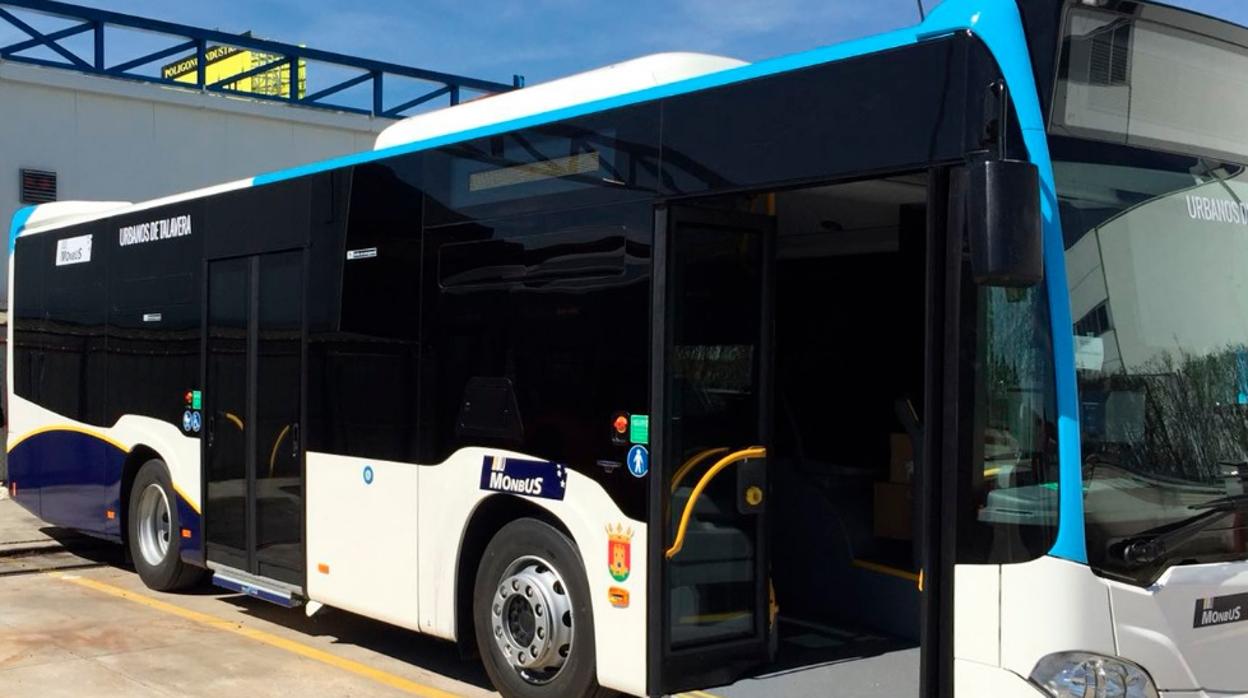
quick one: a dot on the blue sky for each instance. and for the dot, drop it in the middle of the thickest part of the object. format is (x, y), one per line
(541, 39)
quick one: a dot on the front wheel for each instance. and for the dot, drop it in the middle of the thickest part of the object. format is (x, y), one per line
(531, 613)
(153, 526)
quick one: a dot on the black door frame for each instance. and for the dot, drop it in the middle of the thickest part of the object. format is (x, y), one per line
(251, 564)
(725, 658)
(937, 490)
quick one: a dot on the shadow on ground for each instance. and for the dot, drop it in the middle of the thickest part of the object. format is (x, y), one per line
(430, 654)
(438, 656)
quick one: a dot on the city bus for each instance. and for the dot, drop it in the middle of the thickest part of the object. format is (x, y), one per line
(918, 363)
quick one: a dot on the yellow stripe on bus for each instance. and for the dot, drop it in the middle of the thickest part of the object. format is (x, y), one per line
(270, 639)
(66, 427)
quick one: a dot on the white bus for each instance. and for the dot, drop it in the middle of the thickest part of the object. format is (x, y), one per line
(930, 347)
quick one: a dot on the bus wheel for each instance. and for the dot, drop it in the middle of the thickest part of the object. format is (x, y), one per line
(153, 524)
(531, 612)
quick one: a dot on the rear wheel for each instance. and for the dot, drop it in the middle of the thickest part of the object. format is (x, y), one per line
(153, 527)
(531, 613)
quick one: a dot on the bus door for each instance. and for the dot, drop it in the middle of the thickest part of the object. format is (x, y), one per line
(253, 354)
(715, 413)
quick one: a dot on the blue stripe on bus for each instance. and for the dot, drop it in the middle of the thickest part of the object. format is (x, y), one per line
(19, 221)
(1000, 27)
(70, 477)
(1002, 31)
(75, 477)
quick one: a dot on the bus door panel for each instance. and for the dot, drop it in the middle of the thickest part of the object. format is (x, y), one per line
(225, 411)
(716, 411)
(252, 406)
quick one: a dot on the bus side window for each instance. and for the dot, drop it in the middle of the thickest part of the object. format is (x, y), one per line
(1008, 506)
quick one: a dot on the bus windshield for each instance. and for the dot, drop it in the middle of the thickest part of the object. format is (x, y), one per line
(1150, 123)
(1157, 262)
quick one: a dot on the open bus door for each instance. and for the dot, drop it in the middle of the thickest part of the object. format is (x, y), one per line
(714, 345)
(713, 610)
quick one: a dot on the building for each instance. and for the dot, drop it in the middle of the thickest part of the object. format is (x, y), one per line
(210, 108)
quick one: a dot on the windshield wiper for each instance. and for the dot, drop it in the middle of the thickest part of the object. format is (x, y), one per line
(1149, 548)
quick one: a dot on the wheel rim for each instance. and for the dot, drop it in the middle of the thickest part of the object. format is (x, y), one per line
(531, 614)
(154, 524)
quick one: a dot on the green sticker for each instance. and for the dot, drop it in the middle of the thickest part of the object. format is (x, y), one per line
(197, 400)
(639, 429)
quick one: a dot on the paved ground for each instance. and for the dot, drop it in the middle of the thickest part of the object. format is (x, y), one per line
(74, 621)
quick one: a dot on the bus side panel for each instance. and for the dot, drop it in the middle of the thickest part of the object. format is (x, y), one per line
(61, 366)
(26, 306)
(361, 542)
(452, 491)
(60, 475)
(106, 345)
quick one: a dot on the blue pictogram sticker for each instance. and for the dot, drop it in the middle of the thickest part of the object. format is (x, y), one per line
(368, 475)
(533, 478)
(186, 420)
(196, 422)
(638, 461)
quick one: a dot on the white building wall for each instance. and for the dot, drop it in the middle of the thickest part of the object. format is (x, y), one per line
(120, 140)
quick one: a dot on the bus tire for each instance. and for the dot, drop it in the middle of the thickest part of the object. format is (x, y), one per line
(152, 526)
(532, 614)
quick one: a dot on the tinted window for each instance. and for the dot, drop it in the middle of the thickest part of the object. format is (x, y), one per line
(535, 318)
(364, 364)
(154, 312)
(29, 259)
(71, 375)
(596, 159)
(1009, 510)
(828, 120)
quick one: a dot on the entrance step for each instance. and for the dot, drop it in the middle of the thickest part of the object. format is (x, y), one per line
(262, 588)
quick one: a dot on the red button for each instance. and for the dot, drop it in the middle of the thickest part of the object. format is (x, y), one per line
(621, 424)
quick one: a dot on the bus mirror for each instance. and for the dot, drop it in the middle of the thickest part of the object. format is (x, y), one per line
(1003, 222)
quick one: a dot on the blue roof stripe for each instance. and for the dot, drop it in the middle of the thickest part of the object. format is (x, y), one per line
(18, 223)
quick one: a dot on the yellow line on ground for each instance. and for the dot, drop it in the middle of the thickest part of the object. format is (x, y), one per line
(696, 694)
(282, 643)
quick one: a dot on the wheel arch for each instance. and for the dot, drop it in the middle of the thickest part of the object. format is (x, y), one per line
(139, 455)
(486, 520)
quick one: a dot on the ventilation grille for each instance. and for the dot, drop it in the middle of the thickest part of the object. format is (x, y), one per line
(1111, 51)
(38, 186)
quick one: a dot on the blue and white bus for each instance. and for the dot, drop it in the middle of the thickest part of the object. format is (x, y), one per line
(930, 347)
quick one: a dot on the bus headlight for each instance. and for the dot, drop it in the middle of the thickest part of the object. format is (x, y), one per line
(1079, 674)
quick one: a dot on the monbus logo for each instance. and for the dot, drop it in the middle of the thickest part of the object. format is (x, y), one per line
(530, 478)
(1220, 610)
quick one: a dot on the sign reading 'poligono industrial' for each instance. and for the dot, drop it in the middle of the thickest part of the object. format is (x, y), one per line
(153, 231)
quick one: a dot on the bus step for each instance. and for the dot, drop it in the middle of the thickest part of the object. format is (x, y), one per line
(261, 588)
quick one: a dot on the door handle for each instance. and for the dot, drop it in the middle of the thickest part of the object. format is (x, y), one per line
(294, 440)
(744, 454)
(211, 430)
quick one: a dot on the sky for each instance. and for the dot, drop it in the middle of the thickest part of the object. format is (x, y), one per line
(544, 39)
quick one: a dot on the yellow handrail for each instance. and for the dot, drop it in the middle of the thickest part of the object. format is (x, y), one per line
(276, 444)
(690, 464)
(744, 454)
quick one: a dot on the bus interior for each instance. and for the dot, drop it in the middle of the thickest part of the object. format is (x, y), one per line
(841, 415)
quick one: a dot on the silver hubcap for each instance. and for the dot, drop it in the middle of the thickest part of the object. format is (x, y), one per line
(532, 619)
(154, 524)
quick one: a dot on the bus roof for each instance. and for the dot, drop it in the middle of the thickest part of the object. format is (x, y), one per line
(620, 78)
(668, 75)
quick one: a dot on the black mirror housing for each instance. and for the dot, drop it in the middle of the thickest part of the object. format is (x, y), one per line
(1003, 222)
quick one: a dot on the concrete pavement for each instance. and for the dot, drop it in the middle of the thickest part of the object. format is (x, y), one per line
(74, 620)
